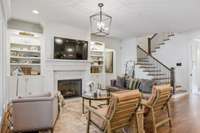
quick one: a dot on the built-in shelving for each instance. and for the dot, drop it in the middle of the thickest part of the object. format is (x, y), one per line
(24, 64)
(97, 57)
(29, 51)
(25, 52)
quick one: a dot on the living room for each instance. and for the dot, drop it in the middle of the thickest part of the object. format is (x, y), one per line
(62, 62)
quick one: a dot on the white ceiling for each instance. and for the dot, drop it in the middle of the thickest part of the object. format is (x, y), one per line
(130, 17)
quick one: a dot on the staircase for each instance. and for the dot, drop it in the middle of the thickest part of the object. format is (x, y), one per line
(155, 69)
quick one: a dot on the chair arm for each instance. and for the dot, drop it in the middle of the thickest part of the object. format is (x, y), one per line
(35, 99)
(145, 103)
(90, 109)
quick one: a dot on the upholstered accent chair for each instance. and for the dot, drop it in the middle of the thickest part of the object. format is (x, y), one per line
(123, 112)
(34, 113)
(157, 108)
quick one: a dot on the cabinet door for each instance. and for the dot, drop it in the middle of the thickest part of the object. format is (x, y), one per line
(35, 85)
(16, 86)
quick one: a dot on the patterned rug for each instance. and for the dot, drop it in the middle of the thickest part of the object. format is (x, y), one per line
(71, 119)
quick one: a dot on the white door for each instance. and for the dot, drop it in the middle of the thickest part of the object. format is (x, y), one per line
(195, 66)
(1, 63)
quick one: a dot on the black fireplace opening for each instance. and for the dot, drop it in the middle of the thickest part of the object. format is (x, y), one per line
(70, 88)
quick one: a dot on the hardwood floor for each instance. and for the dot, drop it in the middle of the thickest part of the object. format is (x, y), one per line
(186, 116)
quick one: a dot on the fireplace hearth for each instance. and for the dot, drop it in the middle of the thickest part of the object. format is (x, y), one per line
(70, 88)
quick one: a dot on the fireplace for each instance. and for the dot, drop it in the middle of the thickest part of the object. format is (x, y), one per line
(70, 88)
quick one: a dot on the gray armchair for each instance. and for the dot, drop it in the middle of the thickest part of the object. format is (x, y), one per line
(34, 113)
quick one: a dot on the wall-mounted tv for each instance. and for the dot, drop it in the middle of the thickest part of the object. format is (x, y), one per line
(70, 49)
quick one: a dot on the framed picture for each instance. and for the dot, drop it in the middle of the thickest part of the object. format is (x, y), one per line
(109, 61)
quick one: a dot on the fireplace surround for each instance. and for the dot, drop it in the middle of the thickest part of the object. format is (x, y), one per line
(70, 88)
(57, 70)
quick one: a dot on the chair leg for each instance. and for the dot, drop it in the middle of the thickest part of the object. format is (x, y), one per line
(169, 115)
(52, 129)
(154, 120)
(88, 122)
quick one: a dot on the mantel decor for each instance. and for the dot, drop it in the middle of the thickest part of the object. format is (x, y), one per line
(100, 23)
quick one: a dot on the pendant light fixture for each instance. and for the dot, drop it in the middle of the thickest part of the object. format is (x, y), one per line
(100, 23)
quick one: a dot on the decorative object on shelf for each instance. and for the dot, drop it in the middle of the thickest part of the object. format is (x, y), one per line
(26, 70)
(100, 23)
(91, 85)
(130, 68)
(17, 72)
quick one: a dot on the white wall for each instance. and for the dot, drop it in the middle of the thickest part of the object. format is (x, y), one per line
(176, 50)
(128, 52)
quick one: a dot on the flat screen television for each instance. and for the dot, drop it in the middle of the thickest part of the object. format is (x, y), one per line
(70, 49)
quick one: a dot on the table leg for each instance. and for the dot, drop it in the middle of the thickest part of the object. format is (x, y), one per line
(108, 101)
(83, 106)
(90, 103)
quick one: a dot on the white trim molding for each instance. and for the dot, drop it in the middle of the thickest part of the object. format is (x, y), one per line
(4, 16)
(6, 8)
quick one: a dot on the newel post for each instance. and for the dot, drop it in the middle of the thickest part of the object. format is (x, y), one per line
(172, 79)
(149, 46)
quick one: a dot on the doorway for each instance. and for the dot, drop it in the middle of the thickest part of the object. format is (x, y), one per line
(195, 66)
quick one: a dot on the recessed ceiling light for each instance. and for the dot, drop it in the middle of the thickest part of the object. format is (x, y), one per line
(35, 12)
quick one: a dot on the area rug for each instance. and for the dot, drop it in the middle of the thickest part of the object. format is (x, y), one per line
(71, 119)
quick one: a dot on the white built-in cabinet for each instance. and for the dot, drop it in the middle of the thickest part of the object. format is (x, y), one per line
(25, 85)
(24, 51)
(97, 60)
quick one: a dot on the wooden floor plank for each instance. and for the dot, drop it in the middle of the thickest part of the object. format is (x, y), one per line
(186, 116)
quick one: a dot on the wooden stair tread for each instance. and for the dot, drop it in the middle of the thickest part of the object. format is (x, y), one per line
(145, 61)
(147, 67)
(162, 43)
(170, 35)
(156, 47)
(166, 39)
(161, 78)
(144, 64)
(152, 70)
(161, 74)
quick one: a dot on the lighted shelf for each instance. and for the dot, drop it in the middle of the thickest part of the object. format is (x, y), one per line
(23, 64)
(96, 55)
(21, 57)
(28, 51)
(25, 44)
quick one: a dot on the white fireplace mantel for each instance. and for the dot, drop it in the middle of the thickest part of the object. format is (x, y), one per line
(66, 70)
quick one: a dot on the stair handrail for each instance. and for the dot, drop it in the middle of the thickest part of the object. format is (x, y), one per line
(154, 35)
(154, 58)
(149, 42)
(171, 70)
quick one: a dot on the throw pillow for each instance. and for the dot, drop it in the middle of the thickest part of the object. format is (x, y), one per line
(135, 84)
(146, 86)
(131, 82)
(120, 82)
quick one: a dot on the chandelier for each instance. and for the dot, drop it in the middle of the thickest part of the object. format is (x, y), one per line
(100, 23)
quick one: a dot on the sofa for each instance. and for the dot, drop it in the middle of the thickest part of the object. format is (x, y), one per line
(128, 83)
(34, 113)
